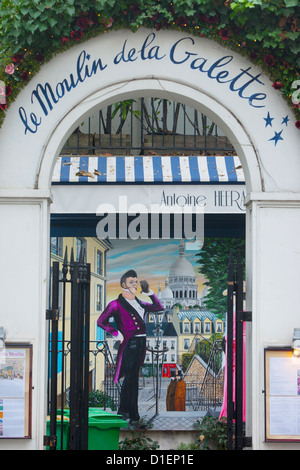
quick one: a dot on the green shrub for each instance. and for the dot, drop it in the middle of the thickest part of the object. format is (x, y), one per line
(138, 439)
(97, 398)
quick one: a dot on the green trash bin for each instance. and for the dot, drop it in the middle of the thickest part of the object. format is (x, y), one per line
(104, 430)
(65, 426)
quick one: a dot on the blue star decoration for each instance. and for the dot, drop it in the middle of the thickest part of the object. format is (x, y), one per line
(268, 120)
(277, 136)
(285, 120)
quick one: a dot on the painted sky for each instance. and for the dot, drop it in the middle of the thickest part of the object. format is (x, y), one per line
(151, 259)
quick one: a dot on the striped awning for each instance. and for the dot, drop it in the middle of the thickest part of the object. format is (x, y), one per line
(148, 169)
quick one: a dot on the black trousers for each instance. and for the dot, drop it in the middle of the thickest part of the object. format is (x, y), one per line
(131, 361)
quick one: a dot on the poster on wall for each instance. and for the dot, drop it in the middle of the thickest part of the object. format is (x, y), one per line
(15, 391)
(282, 382)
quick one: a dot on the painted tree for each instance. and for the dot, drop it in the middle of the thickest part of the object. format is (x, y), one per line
(213, 261)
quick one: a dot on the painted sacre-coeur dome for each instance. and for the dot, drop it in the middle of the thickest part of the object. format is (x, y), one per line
(181, 267)
(181, 286)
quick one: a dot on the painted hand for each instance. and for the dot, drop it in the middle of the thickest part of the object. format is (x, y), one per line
(144, 286)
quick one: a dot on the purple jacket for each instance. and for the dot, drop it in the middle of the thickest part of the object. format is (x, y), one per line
(129, 323)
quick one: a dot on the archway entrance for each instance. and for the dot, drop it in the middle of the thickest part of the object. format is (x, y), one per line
(185, 177)
(171, 175)
(271, 195)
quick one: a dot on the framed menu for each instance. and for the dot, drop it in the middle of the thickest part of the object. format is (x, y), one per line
(282, 395)
(15, 391)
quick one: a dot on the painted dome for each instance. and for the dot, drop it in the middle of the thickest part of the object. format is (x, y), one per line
(167, 293)
(182, 267)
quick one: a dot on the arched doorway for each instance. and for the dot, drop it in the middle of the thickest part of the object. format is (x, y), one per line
(108, 166)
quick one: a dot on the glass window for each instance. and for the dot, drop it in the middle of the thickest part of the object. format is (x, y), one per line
(99, 297)
(80, 243)
(99, 265)
(56, 246)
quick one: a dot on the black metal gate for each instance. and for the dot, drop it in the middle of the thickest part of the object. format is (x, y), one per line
(236, 317)
(72, 285)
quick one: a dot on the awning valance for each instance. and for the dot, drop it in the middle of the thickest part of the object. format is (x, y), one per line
(148, 169)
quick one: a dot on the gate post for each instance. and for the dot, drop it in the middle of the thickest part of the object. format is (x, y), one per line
(229, 378)
(239, 355)
(53, 316)
(80, 339)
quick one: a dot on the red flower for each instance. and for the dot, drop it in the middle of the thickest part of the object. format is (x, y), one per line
(269, 60)
(236, 29)
(277, 85)
(64, 40)
(3, 106)
(297, 124)
(18, 58)
(77, 35)
(224, 33)
(107, 22)
(82, 22)
(253, 55)
(135, 9)
(212, 19)
(8, 90)
(171, 10)
(154, 17)
(24, 76)
(285, 64)
(203, 18)
(182, 21)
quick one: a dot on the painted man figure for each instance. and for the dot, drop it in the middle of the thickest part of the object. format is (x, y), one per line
(129, 314)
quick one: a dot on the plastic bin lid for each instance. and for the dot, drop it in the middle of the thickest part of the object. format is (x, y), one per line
(103, 422)
(99, 412)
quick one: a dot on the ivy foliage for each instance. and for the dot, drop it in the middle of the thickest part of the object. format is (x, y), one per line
(267, 31)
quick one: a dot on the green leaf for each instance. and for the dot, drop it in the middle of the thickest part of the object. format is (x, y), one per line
(52, 22)
(70, 10)
(24, 10)
(43, 27)
(34, 14)
(291, 3)
(33, 27)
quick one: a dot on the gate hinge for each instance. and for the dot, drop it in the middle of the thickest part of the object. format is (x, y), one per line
(244, 316)
(52, 314)
(247, 441)
(50, 441)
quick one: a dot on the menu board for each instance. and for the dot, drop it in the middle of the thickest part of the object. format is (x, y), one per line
(15, 391)
(282, 392)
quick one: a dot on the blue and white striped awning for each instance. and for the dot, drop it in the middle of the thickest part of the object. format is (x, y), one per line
(148, 169)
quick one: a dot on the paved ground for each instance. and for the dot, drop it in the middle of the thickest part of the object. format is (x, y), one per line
(164, 420)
